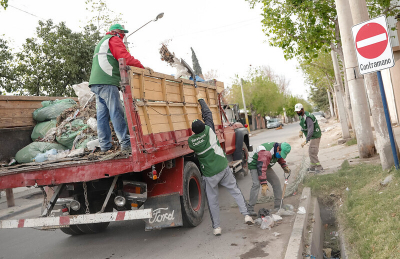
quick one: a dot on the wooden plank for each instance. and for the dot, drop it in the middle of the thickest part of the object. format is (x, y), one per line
(20, 105)
(158, 128)
(145, 112)
(33, 98)
(180, 125)
(16, 113)
(182, 92)
(16, 122)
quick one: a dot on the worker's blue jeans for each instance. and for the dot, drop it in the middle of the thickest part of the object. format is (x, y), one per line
(108, 105)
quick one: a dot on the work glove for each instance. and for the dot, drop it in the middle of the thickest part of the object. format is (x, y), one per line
(304, 143)
(264, 189)
(300, 134)
(151, 71)
(287, 170)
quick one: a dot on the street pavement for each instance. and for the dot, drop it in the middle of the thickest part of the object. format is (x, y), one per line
(130, 240)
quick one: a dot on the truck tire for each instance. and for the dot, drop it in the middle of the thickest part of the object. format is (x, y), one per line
(193, 198)
(72, 230)
(245, 157)
(94, 206)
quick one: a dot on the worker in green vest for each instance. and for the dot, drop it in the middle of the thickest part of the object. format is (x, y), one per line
(104, 82)
(214, 167)
(312, 131)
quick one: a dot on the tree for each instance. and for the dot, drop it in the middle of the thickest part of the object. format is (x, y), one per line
(4, 4)
(55, 60)
(320, 76)
(261, 92)
(211, 74)
(196, 64)
(103, 17)
(7, 75)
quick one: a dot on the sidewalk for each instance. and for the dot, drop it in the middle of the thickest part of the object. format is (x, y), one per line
(25, 199)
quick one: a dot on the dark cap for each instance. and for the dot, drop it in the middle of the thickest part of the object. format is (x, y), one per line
(198, 126)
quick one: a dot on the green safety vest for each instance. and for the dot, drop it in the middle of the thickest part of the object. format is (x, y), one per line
(253, 159)
(105, 68)
(317, 130)
(209, 152)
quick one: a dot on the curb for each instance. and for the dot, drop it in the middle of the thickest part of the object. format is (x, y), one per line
(295, 245)
(10, 215)
(22, 195)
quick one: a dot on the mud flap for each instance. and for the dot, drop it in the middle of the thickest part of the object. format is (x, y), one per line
(166, 211)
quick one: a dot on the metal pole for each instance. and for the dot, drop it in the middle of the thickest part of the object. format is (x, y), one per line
(244, 105)
(389, 124)
(10, 198)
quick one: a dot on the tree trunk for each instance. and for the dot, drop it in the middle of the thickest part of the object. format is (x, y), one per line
(360, 13)
(359, 105)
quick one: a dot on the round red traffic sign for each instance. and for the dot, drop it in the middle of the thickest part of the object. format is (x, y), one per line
(371, 40)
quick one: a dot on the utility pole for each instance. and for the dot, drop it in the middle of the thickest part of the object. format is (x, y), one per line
(10, 198)
(338, 86)
(360, 14)
(244, 106)
(330, 103)
(362, 123)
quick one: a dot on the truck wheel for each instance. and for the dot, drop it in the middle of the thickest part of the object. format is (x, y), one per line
(94, 206)
(193, 198)
(72, 230)
(245, 157)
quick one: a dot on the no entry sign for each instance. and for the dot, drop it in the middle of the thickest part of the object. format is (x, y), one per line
(374, 52)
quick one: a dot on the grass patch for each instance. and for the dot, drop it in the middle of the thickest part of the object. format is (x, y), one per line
(370, 213)
(351, 142)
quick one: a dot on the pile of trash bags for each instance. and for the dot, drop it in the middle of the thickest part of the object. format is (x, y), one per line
(64, 128)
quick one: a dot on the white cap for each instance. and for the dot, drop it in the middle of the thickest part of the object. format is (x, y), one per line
(298, 107)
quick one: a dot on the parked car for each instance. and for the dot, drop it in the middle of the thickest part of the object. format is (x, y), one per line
(318, 115)
(274, 123)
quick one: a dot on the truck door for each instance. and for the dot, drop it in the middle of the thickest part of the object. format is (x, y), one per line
(229, 132)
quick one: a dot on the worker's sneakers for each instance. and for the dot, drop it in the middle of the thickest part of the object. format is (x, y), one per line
(217, 231)
(126, 150)
(319, 170)
(311, 169)
(248, 220)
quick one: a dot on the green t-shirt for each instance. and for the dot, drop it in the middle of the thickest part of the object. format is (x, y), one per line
(209, 152)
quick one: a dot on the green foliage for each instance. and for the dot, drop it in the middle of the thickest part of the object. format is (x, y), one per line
(55, 60)
(4, 4)
(264, 93)
(291, 101)
(368, 212)
(102, 17)
(7, 76)
(299, 27)
(304, 27)
(320, 76)
(196, 64)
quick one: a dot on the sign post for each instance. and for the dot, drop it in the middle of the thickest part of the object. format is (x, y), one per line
(374, 53)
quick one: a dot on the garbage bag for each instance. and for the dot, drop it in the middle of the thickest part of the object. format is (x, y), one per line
(267, 222)
(72, 129)
(83, 92)
(83, 140)
(51, 109)
(42, 128)
(28, 153)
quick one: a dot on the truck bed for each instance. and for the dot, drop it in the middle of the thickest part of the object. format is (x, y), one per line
(159, 112)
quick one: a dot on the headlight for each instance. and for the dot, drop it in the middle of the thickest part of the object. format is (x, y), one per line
(120, 201)
(75, 205)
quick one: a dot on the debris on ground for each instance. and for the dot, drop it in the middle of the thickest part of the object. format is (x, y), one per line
(263, 212)
(301, 210)
(387, 180)
(267, 223)
(276, 234)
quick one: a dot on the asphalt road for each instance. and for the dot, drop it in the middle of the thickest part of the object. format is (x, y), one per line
(129, 240)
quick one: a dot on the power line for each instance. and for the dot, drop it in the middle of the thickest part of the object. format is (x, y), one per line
(26, 12)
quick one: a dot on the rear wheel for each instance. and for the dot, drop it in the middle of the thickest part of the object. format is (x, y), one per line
(72, 230)
(245, 157)
(193, 198)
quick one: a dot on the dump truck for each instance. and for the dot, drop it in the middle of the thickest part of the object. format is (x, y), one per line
(160, 182)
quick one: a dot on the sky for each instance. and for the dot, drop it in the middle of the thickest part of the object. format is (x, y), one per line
(226, 35)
